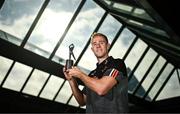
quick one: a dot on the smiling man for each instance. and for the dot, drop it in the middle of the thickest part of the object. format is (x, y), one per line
(106, 87)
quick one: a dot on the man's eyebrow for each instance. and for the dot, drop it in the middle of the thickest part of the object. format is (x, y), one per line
(100, 41)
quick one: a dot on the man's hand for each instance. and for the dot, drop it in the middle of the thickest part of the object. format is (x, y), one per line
(75, 72)
(68, 77)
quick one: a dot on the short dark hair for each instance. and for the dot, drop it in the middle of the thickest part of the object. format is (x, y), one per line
(99, 34)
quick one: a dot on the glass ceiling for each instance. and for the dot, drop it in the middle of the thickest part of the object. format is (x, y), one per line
(48, 27)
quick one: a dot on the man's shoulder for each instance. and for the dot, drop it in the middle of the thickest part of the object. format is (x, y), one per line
(117, 61)
(118, 64)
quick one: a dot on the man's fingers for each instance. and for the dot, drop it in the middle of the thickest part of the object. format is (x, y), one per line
(64, 69)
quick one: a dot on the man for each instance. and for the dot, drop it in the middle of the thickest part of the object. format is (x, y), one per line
(105, 87)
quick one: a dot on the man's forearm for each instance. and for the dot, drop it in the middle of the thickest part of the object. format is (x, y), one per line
(100, 86)
(92, 83)
(77, 92)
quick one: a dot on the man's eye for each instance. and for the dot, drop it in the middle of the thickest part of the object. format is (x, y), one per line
(102, 42)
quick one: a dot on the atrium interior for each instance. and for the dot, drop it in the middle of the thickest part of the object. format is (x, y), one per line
(34, 45)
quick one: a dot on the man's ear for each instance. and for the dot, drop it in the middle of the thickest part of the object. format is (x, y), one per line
(108, 46)
(92, 49)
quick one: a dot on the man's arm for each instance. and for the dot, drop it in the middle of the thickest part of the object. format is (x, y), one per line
(79, 96)
(100, 86)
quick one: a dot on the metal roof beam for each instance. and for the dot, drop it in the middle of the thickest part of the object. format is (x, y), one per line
(29, 58)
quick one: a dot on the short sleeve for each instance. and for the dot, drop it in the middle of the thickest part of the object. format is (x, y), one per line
(115, 74)
(112, 72)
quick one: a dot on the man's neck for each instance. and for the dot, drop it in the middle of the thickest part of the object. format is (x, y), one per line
(100, 60)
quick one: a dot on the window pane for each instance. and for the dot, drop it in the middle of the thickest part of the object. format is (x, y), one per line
(17, 77)
(152, 75)
(142, 14)
(8, 37)
(146, 27)
(144, 65)
(51, 87)
(88, 61)
(135, 54)
(5, 64)
(107, 2)
(110, 27)
(17, 16)
(122, 44)
(73, 101)
(51, 26)
(171, 89)
(160, 81)
(64, 94)
(35, 82)
(124, 7)
(81, 30)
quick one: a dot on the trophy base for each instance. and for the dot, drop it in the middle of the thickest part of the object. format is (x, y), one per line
(69, 64)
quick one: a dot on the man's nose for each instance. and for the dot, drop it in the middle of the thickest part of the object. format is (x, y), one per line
(98, 45)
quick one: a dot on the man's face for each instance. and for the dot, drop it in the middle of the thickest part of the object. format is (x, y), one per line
(99, 47)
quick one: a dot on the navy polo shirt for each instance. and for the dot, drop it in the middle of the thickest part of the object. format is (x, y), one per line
(116, 100)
